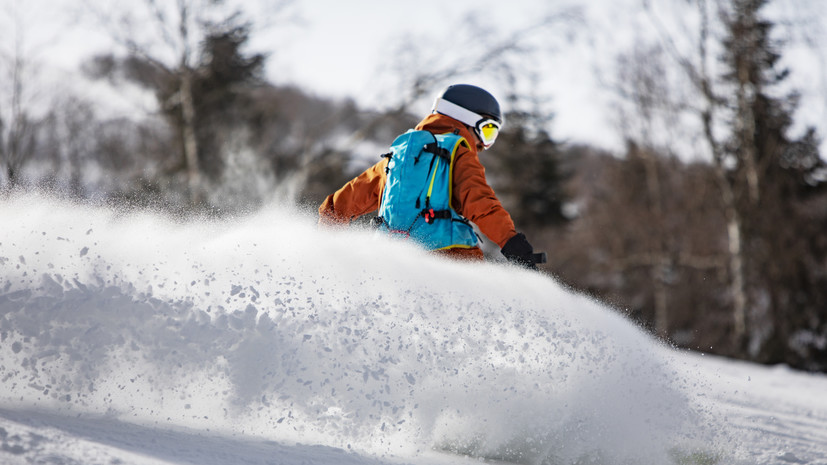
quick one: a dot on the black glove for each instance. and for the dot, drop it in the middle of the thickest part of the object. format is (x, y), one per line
(518, 251)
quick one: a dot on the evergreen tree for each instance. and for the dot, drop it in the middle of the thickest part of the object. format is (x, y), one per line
(218, 83)
(775, 178)
(529, 172)
(224, 76)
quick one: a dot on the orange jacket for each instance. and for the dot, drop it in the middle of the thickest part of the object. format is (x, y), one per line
(472, 197)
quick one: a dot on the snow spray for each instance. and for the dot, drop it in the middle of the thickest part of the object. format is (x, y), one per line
(270, 326)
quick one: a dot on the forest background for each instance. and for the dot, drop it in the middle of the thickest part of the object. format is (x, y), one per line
(700, 211)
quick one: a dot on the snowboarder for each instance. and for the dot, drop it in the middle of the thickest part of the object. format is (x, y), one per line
(464, 120)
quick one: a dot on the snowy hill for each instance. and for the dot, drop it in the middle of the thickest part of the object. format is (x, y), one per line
(131, 338)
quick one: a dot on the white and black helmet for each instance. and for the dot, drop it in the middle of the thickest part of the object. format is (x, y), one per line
(474, 107)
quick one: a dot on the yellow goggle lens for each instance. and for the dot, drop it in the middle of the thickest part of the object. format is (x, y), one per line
(489, 132)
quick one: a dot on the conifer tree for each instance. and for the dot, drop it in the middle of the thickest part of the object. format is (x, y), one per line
(531, 171)
(773, 176)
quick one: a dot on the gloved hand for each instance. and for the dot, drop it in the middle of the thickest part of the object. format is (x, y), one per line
(518, 251)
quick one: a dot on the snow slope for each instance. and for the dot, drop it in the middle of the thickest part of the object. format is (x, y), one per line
(133, 338)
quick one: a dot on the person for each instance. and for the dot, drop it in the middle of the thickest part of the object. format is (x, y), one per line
(473, 114)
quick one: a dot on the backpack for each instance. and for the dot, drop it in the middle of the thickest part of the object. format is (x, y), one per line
(416, 200)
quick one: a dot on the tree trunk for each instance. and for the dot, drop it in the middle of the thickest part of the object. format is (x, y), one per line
(735, 252)
(11, 175)
(660, 268)
(190, 142)
(745, 119)
(735, 257)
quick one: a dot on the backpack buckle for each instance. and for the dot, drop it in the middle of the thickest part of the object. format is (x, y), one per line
(430, 215)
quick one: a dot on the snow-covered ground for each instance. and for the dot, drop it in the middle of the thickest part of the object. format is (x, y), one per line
(129, 338)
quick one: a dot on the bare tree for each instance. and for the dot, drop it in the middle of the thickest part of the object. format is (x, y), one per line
(167, 36)
(708, 108)
(762, 173)
(650, 109)
(708, 112)
(505, 57)
(72, 128)
(170, 47)
(641, 82)
(17, 124)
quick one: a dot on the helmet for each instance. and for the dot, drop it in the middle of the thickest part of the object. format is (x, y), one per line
(474, 107)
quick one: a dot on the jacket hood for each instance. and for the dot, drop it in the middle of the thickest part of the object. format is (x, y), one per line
(440, 124)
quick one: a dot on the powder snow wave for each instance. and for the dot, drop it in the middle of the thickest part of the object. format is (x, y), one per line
(267, 325)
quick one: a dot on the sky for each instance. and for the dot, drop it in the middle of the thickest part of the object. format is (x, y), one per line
(338, 47)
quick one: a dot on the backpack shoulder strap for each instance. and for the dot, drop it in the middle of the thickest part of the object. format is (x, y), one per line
(451, 142)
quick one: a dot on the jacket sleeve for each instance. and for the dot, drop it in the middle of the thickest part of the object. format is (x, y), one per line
(356, 198)
(474, 199)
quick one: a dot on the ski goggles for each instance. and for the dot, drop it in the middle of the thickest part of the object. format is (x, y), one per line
(487, 130)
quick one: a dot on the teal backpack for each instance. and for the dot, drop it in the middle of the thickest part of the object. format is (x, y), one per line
(416, 200)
